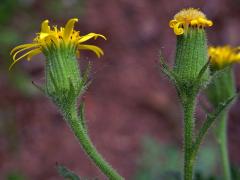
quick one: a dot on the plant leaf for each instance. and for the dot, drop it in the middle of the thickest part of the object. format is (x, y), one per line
(66, 173)
(168, 72)
(211, 117)
(197, 83)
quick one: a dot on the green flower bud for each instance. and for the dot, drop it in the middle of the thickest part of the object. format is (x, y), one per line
(191, 50)
(222, 87)
(223, 56)
(191, 56)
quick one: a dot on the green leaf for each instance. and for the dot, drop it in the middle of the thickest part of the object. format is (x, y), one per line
(211, 117)
(66, 173)
(168, 72)
(203, 70)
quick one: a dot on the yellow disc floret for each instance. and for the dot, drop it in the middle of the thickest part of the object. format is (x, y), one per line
(189, 18)
(222, 56)
(57, 37)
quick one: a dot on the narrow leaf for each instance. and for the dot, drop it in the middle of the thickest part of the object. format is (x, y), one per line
(211, 117)
(200, 75)
(66, 173)
(168, 72)
(202, 71)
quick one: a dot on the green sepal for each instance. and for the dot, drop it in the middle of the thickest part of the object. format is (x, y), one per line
(63, 75)
(66, 173)
(191, 60)
(211, 117)
(64, 81)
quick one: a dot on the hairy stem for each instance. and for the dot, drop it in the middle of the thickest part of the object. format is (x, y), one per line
(223, 145)
(189, 109)
(82, 136)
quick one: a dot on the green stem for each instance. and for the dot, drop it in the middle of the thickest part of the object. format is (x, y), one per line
(223, 144)
(72, 118)
(189, 109)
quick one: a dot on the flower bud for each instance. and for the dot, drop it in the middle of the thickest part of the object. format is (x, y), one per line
(223, 56)
(191, 50)
(222, 87)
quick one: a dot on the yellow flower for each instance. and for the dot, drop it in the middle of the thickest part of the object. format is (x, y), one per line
(56, 37)
(189, 18)
(222, 56)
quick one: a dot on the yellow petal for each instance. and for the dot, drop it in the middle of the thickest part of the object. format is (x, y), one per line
(178, 30)
(91, 35)
(21, 50)
(98, 51)
(69, 28)
(172, 23)
(23, 46)
(209, 23)
(53, 38)
(201, 20)
(33, 53)
(43, 35)
(24, 55)
(45, 27)
(194, 22)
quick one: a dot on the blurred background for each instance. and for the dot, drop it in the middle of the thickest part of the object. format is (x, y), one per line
(132, 110)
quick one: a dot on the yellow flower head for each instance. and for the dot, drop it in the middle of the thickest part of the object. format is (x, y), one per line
(222, 56)
(56, 37)
(189, 18)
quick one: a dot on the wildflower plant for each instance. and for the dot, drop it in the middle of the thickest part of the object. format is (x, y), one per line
(64, 83)
(219, 90)
(196, 67)
(191, 74)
